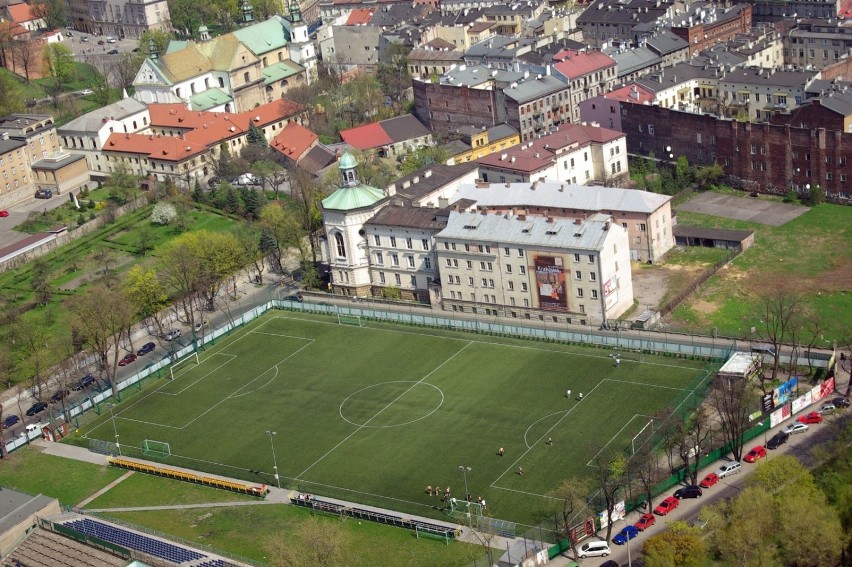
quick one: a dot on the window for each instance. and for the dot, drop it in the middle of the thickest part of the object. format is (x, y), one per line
(449, 263)
(484, 282)
(520, 252)
(377, 239)
(642, 227)
(453, 245)
(410, 260)
(578, 275)
(510, 285)
(446, 245)
(394, 259)
(523, 286)
(398, 279)
(508, 269)
(593, 276)
(469, 265)
(413, 281)
(470, 281)
(522, 269)
(341, 247)
(425, 243)
(506, 251)
(467, 247)
(379, 259)
(650, 129)
(591, 258)
(427, 263)
(381, 277)
(579, 292)
(393, 242)
(594, 294)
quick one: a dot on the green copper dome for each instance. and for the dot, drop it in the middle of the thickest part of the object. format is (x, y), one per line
(348, 161)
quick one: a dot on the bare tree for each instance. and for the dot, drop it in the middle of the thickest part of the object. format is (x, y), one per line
(25, 56)
(611, 477)
(104, 315)
(571, 494)
(695, 435)
(732, 401)
(644, 467)
(321, 542)
(778, 311)
(307, 194)
(32, 341)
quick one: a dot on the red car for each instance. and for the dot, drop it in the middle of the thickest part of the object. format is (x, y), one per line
(4, 213)
(709, 480)
(813, 417)
(666, 506)
(755, 454)
(128, 358)
(646, 521)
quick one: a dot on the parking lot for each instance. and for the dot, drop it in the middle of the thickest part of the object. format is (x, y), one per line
(743, 208)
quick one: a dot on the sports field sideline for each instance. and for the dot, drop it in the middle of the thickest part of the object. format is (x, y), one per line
(374, 414)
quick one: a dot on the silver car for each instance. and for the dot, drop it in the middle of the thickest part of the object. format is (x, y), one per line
(728, 469)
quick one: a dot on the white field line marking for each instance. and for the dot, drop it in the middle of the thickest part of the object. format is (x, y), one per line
(389, 404)
(629, 421)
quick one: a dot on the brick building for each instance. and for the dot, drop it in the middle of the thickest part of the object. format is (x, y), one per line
(444, 107)
(717, 25)
(767, 158)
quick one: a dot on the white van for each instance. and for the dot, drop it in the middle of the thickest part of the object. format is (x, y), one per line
(594, 549)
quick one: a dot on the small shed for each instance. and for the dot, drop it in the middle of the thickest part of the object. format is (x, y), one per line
(713, 237)
(742, 365)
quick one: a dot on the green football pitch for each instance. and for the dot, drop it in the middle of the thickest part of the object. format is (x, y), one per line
(374, 414)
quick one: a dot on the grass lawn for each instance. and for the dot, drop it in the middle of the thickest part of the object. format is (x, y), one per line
(147, 490)
(246, 531)
(71, 482)
(812, 253)
(680, 266)
(375, 414)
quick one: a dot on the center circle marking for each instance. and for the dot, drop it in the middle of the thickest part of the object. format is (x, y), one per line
(380, 384)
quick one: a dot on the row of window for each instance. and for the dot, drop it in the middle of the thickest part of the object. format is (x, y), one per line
(394, 260)
(409, 242)
(397, 279)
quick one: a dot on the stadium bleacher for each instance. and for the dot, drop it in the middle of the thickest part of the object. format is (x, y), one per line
(373, 516)
(151, 546)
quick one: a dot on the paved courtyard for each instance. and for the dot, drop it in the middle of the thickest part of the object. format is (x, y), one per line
(743, 208)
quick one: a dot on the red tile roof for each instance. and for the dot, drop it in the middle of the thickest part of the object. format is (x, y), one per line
(631, 93)
(22, 13)
(366, 137)
(293, 141)
(162, 148)
(360, 16)
(269, 113)
(573, 64)
(540, 153)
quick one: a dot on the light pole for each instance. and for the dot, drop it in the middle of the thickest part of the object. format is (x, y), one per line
(114, 429)
(464, 471)
(274, 461)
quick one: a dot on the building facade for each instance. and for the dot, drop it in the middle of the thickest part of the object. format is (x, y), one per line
(119, 18)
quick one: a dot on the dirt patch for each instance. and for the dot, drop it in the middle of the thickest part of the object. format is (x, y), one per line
(704, 307)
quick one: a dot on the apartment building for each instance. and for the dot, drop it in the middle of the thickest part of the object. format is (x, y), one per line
(548, 269)
(119, 18)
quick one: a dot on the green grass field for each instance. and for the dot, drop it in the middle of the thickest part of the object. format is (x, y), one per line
(375, 414)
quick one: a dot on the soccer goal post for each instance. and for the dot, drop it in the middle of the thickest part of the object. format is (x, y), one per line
(152, 448)
(349, 320)
(642, 437)
(192, 357)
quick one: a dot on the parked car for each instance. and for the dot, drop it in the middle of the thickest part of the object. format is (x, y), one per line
(729, 468)
(200, 325)
(813, 417)
(146, 348)
(172, 335)
(777, 440)
(213, 182)
(10, 420)
(37, 407)
(86, 92)
(245, 179)
(594, 549)
(110, 39)
(295, 297)
(827, 408)
(112, 52)
(645, 522)
(128, 358)
(840, 402)
(666, 506)
(84, 382)
(101, 42)
(755, 454)
(4, 213)
(709, 480)
(795, 428)
(85, 38)
(59, 395)
(691, 491)
(43, 194)
(625, 535)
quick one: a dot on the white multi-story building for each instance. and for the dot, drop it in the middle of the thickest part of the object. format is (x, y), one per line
(119, 18)
(527, 267)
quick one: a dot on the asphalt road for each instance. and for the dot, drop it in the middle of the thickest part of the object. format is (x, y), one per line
(18, 214)
(689, 510)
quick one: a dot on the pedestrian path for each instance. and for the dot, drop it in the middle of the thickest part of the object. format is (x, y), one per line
(106, 488)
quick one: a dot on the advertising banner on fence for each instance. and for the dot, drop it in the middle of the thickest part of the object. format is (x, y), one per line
(823, 390)
(784, 392)
(618, 513)
(550, 281)
(766, 401)
(802, 402)
(780, 415)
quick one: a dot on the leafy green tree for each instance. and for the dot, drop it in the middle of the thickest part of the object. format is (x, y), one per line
(11, 99)
(255, 136)
(100, 89)
(58, 65)
(232, 201)
(816, 195)
(709, 174)
(197, 192)
(421, 157)
(249, 238)
(145, 291)
(320, 542)
(393, 73)
(682, 173)
(741, 531)
(187, 16)
(161, 41)
(680, 545)
(571, 496)
(41, 281)
(283, 227)
(54, 13)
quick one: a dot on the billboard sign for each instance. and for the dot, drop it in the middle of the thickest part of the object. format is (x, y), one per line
(780, 415)
(618, 513)
(766, 402)
(823, 390)
(550, 282)
(802, 402)
(784, 392)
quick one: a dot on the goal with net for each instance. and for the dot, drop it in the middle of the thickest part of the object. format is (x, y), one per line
(151, 448)
(192, 357)
(349, 320)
